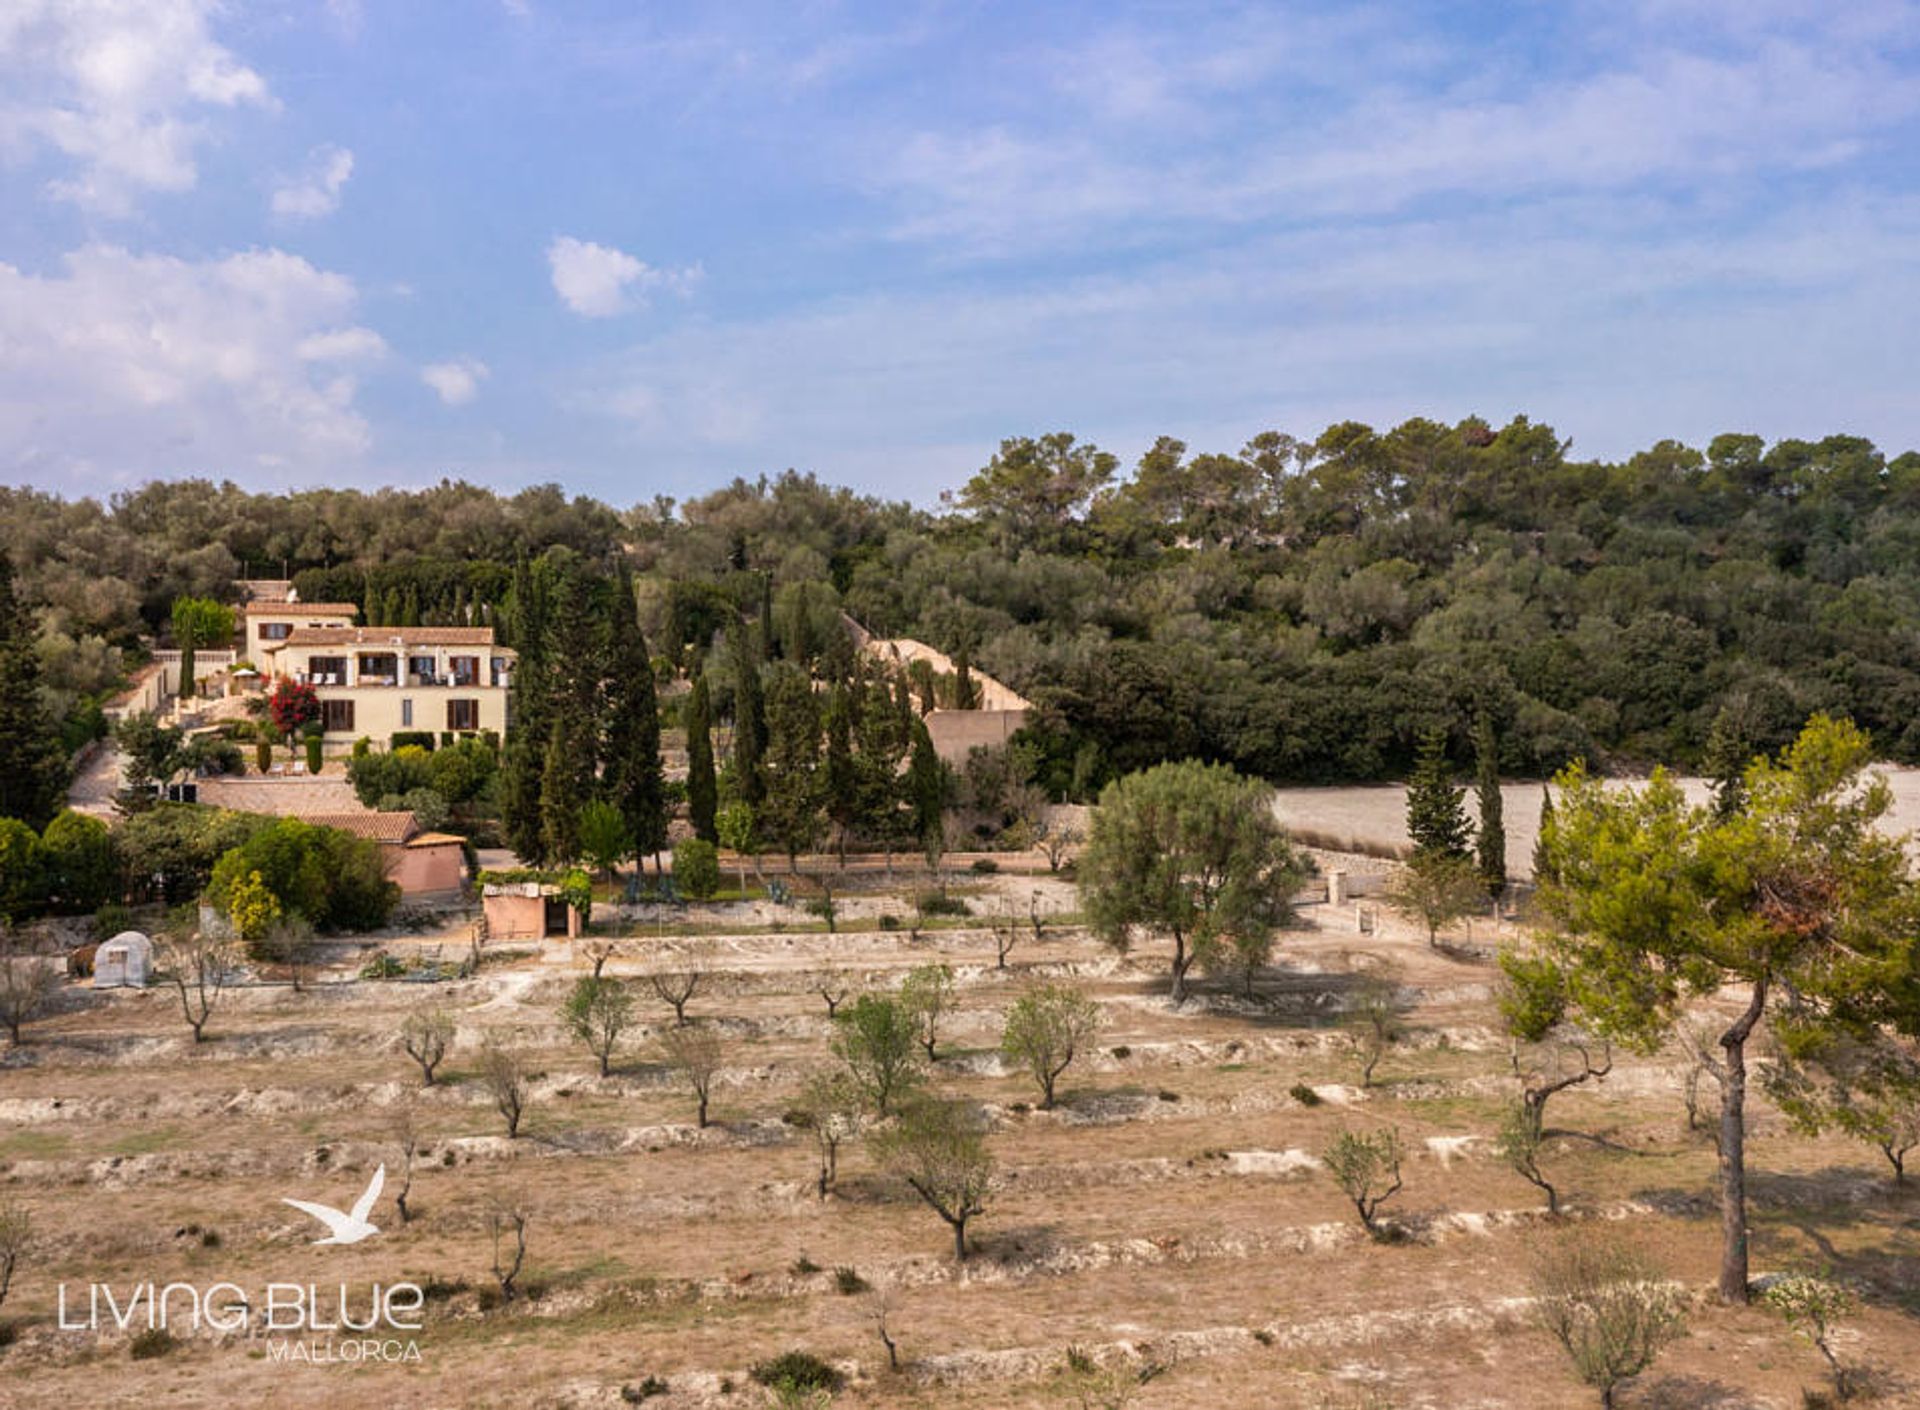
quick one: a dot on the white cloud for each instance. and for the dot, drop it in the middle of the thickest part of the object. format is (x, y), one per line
(117, 87)
(123, 365)
(598, 281)
(457, 382)
(316, 191)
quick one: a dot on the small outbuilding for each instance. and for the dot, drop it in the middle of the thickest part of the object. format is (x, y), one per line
(527, 910)
(124, 962)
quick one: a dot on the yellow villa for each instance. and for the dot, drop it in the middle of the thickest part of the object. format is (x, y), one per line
(383, 681)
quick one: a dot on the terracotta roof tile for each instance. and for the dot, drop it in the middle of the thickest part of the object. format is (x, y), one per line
(379, 827)
(297, 609)
(387, 636)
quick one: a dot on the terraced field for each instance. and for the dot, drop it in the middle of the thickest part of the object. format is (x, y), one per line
(1170, 1217)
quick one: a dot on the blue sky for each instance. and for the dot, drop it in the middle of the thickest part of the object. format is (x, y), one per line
(641, 248)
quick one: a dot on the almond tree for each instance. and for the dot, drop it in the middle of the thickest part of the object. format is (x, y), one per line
(27, 986)
(427, 1035)
(598, 1012)
(1797, 904)
(927, 993)
(1047, 1028)
(198, 965)
(677, 980)
(939, 1149)
(693, 1051)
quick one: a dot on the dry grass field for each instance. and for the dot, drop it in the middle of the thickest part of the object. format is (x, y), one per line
(1170, 1214)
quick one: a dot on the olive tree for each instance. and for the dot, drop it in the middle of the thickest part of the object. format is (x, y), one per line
(1436, 889)
(1367, 1170)
(1046, 1029)
(939, 1148)
(1375, 1021)
(1798, 903)
(1192, 852)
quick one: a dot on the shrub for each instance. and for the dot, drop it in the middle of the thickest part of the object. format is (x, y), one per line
(155, 1341)
(939, 903)
(847, 1281)
(696, 868)
(81, 864)
(985, 866)
(797, 1370)
(262, 755)
(410, 738)
(646, 1390)
(1607, 1307)
(110, 920)
(334, 879)
(1304, 1094)
(382, 966)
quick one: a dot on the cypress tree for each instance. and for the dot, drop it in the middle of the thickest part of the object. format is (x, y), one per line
(843, 779)
(1730, 748)
(560, 802)
(32, 765)
(749, 717)
(1436, 806)
(703, 791)
(928, 787)
(529, 720)
(634, 781)
(1491, 846)
(790, 815)
(1543, 868)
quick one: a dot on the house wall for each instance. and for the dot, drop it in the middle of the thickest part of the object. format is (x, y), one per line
(379, 714)
(955, 733)
(515, 917)
(433, 870)
(255, 643)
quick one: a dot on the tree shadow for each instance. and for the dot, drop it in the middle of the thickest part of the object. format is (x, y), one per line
(1679, 1392)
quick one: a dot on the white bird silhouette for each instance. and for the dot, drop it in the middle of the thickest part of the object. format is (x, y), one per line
(347, 1228)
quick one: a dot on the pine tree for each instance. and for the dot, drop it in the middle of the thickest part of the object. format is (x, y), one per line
(32, 766)
(634, 780)
(1436, 806)
(703, 791)
(881, 735)
(1491, 846)
(748, 653)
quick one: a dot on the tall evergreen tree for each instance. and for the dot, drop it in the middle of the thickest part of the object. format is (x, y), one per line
(561, 803)
(1543, 868)
(929, 788)
(881, 735)
(963, 687)
(790, 816)
(703, 790)
(748, 653)
(1491, 844)
(529, 720)
(842, 790)
(1436, 806)
(573, 660)
(633, 778)
(1729, 749)
(32, 767)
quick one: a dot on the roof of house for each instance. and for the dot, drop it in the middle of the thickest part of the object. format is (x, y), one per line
(387, 636)
(398, 828)
(298, 609)
(436, 839)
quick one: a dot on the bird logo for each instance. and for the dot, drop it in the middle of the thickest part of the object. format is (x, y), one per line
(351, 1227)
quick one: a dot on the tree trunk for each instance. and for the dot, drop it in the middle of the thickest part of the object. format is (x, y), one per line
(1180, 963)
(959, 1238)
(1733, 1150)
(703, 1112)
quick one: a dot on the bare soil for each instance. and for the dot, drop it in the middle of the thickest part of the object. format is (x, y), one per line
(1171, 1213)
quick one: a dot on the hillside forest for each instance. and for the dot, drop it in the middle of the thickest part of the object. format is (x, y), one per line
(1304, 610)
